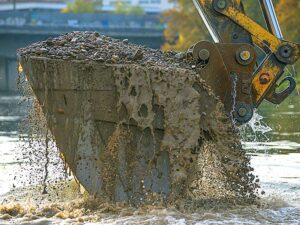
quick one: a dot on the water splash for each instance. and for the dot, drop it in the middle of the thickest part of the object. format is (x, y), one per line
(258, 125)
(233, 78)
(255, 131)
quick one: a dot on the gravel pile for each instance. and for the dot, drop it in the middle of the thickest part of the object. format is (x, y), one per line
(89, 46)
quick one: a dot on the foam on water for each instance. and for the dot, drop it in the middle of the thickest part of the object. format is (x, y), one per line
(274, 145)
(279, 176)
(7, 163)
(272, 211)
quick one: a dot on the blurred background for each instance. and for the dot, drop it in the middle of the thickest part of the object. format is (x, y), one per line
(165, 24)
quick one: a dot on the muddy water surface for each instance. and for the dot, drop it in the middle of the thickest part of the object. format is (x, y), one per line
(276, 161)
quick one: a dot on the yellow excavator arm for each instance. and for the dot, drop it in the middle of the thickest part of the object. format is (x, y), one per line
(231, 66)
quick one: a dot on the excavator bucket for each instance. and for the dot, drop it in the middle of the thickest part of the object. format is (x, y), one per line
(136, 127)
(139, 126)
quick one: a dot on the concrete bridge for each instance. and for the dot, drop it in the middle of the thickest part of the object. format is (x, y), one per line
(21, 28)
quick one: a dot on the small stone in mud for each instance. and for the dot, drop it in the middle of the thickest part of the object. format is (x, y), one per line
(74, 39)
(49, 42)
(99, 41)
(138, 55)
(80, 57)
(180, 55)
(115, 58)
(60, 43)
(5, 217)
(125, 41)
(100, 60)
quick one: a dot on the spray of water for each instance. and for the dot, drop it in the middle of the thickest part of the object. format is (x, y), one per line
(258, 125)
(254, 133)
(233, 94)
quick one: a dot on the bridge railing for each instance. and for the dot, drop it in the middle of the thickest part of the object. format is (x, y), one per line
(20, 28)
(19, 19)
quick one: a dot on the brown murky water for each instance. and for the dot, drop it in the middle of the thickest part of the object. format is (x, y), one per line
(279, 175)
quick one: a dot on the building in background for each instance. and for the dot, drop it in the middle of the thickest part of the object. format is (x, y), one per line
(150, 6)
(23, 22)
(6, 5)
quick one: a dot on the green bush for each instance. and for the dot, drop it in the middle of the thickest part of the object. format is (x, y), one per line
(126, 9)
(82, 6)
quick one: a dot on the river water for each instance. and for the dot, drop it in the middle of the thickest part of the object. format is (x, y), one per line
(273, 143)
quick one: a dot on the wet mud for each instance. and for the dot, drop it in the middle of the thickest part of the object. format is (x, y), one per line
(136, 125)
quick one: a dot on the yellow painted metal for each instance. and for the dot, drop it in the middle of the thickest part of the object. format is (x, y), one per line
(260, 33)
(259, 89)
(262, 38)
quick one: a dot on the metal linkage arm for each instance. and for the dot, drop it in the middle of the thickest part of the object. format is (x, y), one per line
(273, 67)
(271, 18)
(221, 28)
(228, 22)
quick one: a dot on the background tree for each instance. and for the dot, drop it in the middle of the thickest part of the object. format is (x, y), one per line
(288, 16)
(125, 9)
(83, 6)
(98, 4)
(184, 26)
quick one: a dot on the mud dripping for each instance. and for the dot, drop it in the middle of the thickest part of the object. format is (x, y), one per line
(138, 128)
(207, 162)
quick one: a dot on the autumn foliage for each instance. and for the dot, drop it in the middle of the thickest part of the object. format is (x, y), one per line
(185, 27)
(288, 15)
(82, 6)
